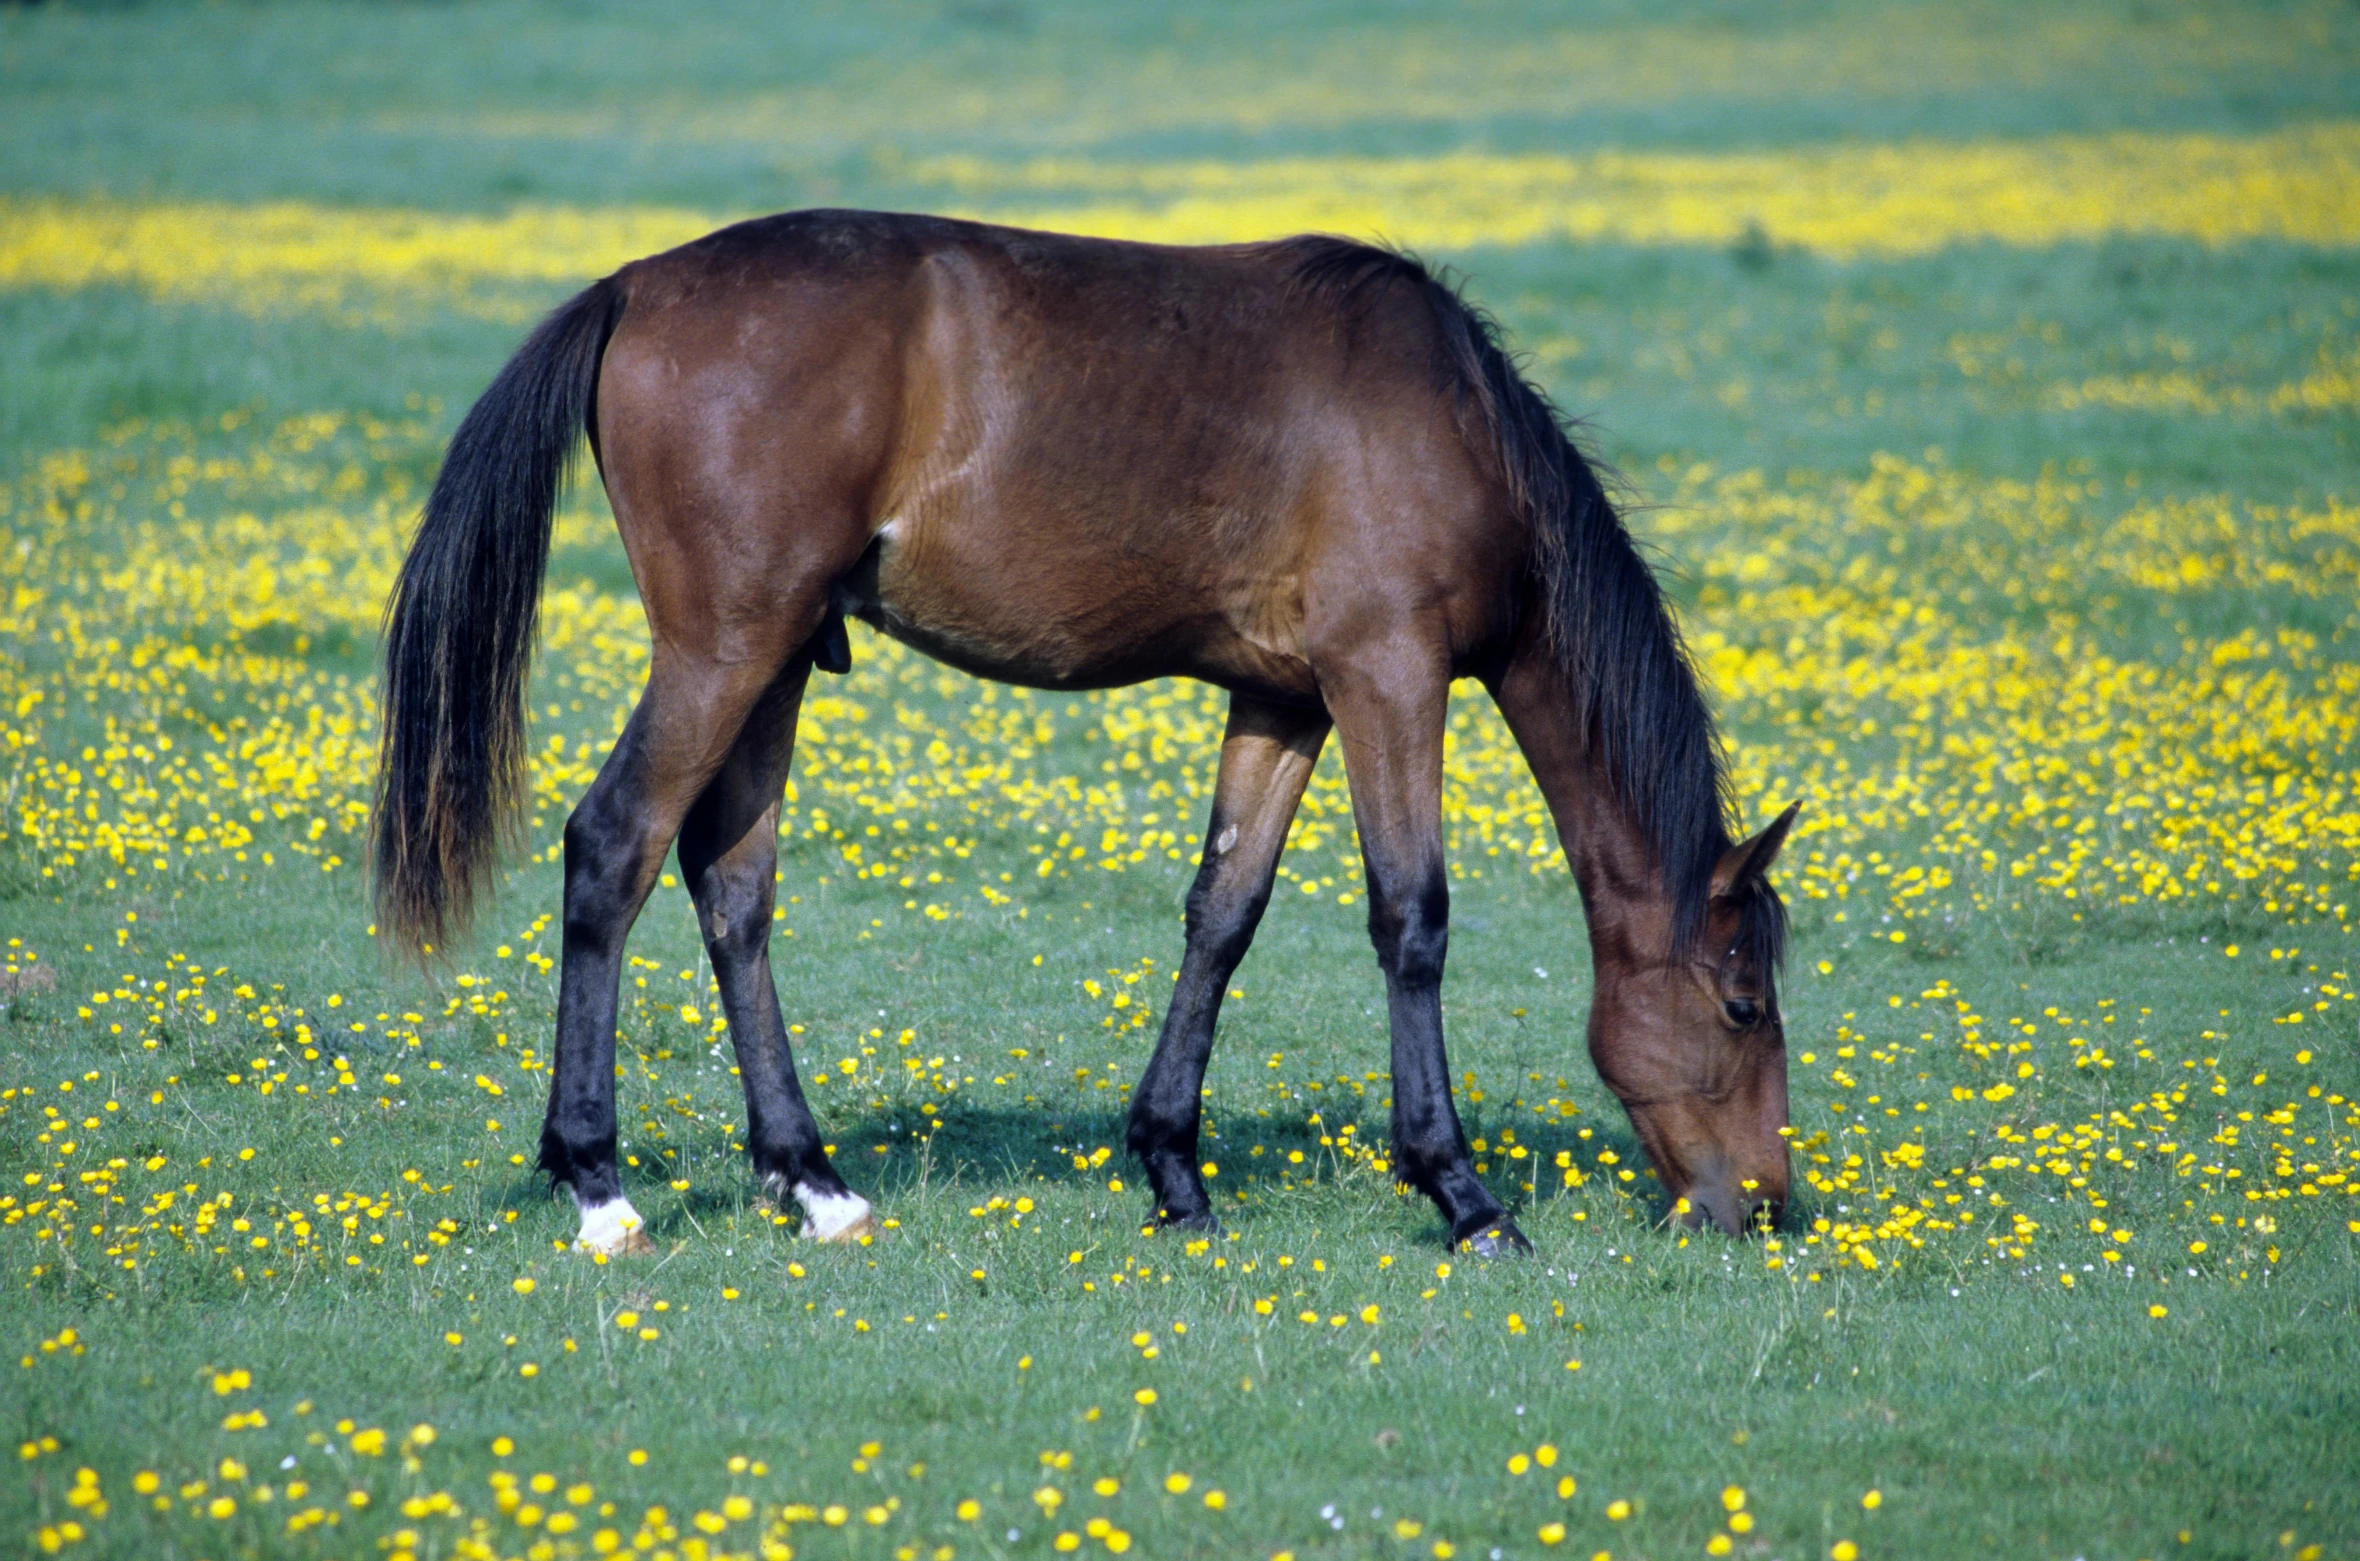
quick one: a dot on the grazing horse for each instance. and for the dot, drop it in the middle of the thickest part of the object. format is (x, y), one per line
(1304, 471)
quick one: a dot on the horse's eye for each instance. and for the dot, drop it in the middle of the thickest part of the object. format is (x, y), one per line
(1743, 1012)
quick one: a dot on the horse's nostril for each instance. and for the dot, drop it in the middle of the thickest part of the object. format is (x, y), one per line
(1709, 1210)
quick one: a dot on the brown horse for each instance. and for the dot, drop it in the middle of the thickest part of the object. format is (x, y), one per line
(1304, 471)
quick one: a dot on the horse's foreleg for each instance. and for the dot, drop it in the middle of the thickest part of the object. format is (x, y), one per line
(729, 857)
(1389, 705)
(1266, 758)
(614, 845)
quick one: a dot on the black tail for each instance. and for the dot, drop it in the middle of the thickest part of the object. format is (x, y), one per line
(459, 629)
(1606, 618)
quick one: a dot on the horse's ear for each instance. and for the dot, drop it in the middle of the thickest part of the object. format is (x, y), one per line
(1744, 864)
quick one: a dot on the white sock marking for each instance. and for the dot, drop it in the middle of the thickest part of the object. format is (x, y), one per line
(828, 1215)
(607, 1226)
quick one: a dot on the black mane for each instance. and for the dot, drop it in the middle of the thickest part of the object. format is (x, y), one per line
(1606, 619)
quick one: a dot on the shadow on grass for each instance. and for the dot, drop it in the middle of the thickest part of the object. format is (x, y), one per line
(983, 1152)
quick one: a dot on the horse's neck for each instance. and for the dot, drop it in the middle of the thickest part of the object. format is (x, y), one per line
(1623, 894)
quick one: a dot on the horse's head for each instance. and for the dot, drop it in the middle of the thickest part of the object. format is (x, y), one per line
(1693, 1047)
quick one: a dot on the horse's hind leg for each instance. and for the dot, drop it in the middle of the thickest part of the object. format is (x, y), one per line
(729, 857)
(1266, 757)
(615, 842)
(1389, 703)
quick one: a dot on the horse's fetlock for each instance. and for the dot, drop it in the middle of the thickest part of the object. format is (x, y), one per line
(775, 1172)
(1424, 1158)
(581, 1162)
(1153, 1134)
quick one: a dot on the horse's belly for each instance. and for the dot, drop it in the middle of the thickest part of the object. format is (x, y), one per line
(1070, 622)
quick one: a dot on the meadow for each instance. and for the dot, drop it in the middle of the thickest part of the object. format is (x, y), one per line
(1984, 380)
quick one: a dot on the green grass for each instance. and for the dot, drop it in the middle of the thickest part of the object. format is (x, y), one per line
(1993, 1414)
(1995, 1411)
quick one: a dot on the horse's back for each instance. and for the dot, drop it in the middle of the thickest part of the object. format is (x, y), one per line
(1058, 459)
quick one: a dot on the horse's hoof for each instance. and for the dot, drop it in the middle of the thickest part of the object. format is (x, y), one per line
(839, 1219)
(631, 1243)
(1201, 1223)
(612, 1228)
(1495, 1238)
(863, 1229)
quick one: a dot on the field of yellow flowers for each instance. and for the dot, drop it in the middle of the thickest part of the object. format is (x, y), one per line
(1990, 404)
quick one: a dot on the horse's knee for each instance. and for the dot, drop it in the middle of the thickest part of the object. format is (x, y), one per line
(735, 924)
(733, 897)
(729, 874)
(1411, 930)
